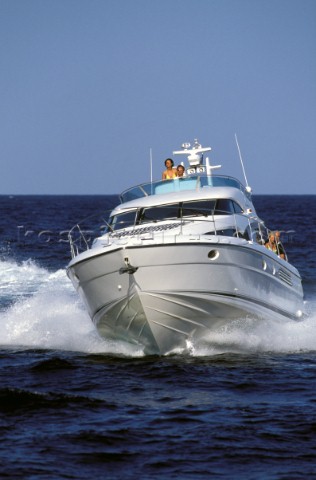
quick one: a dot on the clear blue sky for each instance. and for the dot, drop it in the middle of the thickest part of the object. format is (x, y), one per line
(87, 87)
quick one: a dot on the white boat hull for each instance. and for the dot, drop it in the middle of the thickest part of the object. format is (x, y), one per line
(162, 296)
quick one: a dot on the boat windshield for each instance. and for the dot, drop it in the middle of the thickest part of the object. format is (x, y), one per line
(194, 182)
(122, 220)
(174, 211)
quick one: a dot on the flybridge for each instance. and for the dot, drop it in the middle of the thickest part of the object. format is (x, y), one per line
(194, 181)
(197, 175)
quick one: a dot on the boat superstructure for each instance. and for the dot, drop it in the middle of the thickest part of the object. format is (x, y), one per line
(178, 258)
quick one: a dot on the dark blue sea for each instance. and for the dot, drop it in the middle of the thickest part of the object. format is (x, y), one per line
(73, 406)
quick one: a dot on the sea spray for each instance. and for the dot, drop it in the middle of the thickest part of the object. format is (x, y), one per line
(47, 313)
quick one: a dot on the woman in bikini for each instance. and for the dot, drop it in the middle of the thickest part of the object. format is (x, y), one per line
(170, 172)
(274, 245)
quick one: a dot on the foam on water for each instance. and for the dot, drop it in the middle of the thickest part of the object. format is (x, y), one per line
(45, 312)
(248, 335)
(20, 279)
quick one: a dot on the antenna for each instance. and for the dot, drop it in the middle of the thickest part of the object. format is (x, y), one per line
(242, 164)
(151, 164)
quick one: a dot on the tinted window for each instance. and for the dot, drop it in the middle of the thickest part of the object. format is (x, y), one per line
(198, 208)
(224, 206)
(123, 220)
(237, 208)
(154, 214)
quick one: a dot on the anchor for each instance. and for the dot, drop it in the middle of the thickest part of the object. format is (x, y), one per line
(128, 268)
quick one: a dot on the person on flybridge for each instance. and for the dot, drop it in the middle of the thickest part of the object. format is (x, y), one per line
(180, 170)
(171, 171)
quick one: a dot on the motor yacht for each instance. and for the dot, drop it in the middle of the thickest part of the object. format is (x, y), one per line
(180, 258)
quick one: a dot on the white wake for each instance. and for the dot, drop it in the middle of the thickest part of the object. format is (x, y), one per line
(47, 313)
